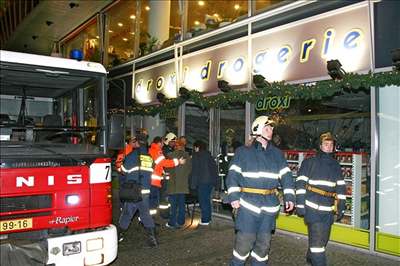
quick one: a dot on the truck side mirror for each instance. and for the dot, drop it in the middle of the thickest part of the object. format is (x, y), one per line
(116, 132)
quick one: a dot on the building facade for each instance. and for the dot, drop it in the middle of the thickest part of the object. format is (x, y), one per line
(223, 53)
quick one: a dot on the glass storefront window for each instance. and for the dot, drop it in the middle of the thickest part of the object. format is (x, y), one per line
(347, 117)
(120, 33)
(196, 125)
(232, 135)
(204, 16)
(86, 40)
(264, 5)
(160, 25)
(388, 169)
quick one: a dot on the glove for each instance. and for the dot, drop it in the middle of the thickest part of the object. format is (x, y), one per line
(339, 216)
(300, 212)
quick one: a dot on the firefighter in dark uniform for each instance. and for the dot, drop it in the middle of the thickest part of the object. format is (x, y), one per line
(254, 175)
(138, 167)
(318, 184)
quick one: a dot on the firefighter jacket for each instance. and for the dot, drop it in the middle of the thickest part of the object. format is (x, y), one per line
(160, 162)
(259, 168)
(121, 156)
(137, 166)
(322, 172)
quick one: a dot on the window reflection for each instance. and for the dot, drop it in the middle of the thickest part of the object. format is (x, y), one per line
(196, 124)
(120, 33)
(204, 16)
(86, 40)
(160, 25)
(263, 5)
(232, 136)
(388, 170)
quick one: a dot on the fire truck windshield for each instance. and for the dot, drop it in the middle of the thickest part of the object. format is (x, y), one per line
(41, 105)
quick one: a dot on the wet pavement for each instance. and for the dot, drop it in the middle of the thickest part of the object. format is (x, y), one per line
(212, 245)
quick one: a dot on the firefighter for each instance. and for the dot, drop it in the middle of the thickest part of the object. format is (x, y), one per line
(318, 184)
(254, 175)
(167, 149)
(130, 144)
(137, 166)
(169, 143)
(160, 162)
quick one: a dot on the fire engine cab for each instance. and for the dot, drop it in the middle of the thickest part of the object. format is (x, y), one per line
(55, 175)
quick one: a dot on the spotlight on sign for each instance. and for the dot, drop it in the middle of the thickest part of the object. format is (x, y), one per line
(335, 69)
(161, 97)
(396, 58)
(224, 86)
(184, 93)
(259, 81)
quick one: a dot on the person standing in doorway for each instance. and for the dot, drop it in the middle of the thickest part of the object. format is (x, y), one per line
(203, 179)
(318, 185)
(255, 173)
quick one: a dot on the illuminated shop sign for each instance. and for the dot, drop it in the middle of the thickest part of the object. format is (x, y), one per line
(299, 51)
(149, 82)
(273, 103)
(293, 52)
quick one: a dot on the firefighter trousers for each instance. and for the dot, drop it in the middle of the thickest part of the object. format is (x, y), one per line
(129, 209)
(318, 237)
(251, 244)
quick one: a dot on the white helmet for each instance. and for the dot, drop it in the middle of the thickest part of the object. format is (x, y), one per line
(169, 137)
(259, 123)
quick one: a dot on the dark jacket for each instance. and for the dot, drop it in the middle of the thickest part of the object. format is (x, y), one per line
(322, 172)
(179, 176)
(137, 166)
(204, 170)
(258, 168)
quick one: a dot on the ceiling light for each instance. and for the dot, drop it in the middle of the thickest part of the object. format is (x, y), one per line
(125, 39)
(147, 8)
(132, 17)
(120, 24)
(196, 23)
(132, 33)
(335, 69)
(236, 6)
(201, 3)
(110, 31)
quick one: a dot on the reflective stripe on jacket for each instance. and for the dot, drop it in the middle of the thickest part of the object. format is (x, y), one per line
(322, 172)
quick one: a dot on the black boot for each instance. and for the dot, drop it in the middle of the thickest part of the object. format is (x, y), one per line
(151, 237)
(121, 234)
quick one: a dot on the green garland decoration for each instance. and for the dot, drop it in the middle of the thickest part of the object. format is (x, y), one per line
(311, 91)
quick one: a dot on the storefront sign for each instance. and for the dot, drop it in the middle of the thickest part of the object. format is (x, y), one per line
(149, 82)
(273, 103)
(299, 51)
(293, 52)
(227, 61)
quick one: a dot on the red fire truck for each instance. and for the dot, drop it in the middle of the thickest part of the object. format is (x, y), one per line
(55, 175)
